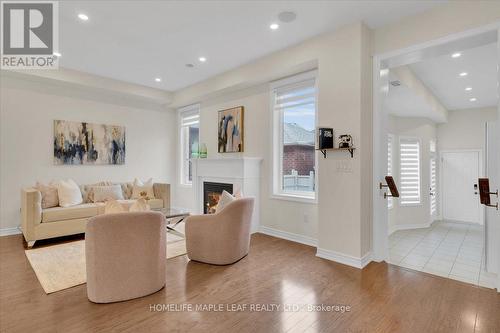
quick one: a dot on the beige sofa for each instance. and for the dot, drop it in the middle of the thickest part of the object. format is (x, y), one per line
(38, 223)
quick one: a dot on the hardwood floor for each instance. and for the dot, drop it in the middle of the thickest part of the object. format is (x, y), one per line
(382, 297)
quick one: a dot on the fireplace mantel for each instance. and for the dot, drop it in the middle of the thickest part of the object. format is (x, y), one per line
(242, 172)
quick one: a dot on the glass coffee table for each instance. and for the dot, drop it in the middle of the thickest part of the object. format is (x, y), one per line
(174, 216)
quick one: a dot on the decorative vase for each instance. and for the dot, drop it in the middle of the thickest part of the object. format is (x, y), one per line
(195, 150)
(203, 150)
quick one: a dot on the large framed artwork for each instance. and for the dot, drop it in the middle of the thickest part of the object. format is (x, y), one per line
(85, 143)
(231, 130)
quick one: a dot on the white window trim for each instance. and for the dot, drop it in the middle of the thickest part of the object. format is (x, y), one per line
(180, 165)
(276, 152)
(401, 204)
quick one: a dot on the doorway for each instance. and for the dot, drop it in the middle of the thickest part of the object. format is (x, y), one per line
(437, 225)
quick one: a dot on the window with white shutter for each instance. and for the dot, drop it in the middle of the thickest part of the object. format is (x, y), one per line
(433, 205)
(409, 152)
(189, 130)
(390, 154)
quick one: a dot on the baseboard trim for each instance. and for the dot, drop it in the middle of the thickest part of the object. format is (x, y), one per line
(399, 227)
(288, 236)
(345, 259)
(10, 231)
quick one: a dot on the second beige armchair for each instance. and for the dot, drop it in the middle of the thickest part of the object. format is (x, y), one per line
(222, 238)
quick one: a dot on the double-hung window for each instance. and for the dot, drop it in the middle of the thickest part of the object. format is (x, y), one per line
(409, 152)
(294, 123)
(390, 154)
(189, 133)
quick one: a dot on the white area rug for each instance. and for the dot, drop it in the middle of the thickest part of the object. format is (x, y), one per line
(62, 266)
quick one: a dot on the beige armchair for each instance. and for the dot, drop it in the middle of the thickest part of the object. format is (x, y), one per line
(222, 238)
(126, 256)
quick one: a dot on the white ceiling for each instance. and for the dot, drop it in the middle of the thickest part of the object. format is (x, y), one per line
(441, 76)
(136, 41)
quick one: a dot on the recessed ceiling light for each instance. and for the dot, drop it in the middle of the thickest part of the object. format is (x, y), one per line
(57, 54)
(158, 79)
(274, 26)
(468, 89)
(456, 55)
(202, 59)
(473, 99)
(463, 74)
(83, 17)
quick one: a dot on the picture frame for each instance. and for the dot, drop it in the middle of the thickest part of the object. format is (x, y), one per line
(231, 130)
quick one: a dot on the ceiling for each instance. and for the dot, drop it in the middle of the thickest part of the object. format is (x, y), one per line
(441, 76)
(402, 101)
(138, 41)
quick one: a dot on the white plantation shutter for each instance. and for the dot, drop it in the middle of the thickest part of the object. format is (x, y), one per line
(409, 150)
(390, 140)
(433, 185)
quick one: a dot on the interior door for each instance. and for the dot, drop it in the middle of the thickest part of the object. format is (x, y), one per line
(460, 170)
(492, 216)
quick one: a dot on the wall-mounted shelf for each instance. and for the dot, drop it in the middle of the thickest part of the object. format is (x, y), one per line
(350, 150)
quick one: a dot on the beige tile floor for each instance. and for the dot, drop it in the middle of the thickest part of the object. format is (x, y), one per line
(449, 249)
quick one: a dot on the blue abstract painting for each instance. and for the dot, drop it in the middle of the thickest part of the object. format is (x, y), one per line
(86, 143)
(231, 130)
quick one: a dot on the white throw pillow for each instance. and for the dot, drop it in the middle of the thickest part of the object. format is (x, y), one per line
(224, 200)
(143, 190)
(140, 205)
(69, 193)
(106, 193)
(113, 207)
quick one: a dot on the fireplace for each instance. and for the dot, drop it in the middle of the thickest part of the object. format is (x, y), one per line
(211, 195)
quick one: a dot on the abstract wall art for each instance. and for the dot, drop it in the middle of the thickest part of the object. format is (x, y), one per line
(85, 143)
(231, 130)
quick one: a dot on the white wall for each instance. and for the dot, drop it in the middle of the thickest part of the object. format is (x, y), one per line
(28, 110)
(276, 214)
(465, 129)
(343, 61)
(425, 130)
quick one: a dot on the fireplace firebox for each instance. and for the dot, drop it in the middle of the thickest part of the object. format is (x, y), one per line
(211, 195)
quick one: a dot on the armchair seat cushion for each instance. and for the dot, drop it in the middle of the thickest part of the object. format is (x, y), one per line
(73, 212)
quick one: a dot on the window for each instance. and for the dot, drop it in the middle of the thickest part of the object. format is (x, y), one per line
(294, 123)
(433, 186)
(189, 130)
(432, 168)
(390, 140)
(409, 151)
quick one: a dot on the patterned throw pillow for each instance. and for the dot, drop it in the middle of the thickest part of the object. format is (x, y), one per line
(107, 193)
(49, 194)
(140, 205)
(143, 190)
(113, 207)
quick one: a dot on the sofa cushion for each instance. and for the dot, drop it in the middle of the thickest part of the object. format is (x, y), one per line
(73, 212)
(106, 193)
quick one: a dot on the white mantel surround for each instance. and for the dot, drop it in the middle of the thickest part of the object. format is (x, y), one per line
(242, 172)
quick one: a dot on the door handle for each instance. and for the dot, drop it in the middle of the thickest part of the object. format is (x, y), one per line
(484, 189)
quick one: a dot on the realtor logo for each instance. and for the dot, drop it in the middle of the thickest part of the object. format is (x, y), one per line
(29, 35)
